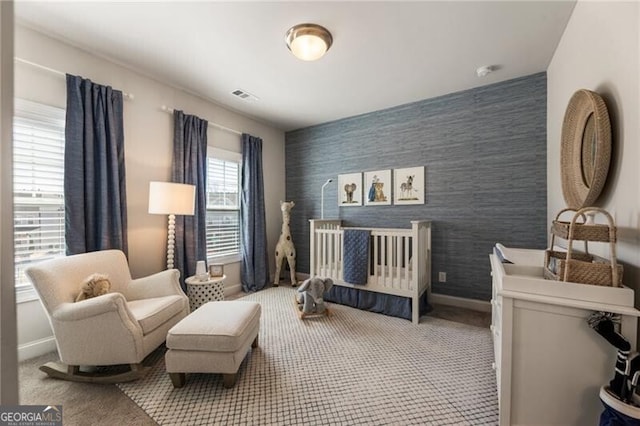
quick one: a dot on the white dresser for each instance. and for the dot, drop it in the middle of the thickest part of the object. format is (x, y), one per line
(549, 363)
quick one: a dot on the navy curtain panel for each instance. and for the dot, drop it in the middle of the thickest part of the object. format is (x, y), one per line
(190, 166)
(94, 173)
(254, 273)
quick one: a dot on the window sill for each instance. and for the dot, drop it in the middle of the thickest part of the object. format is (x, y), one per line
(24, 295)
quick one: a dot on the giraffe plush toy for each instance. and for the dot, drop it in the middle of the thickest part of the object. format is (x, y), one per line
(285, 247)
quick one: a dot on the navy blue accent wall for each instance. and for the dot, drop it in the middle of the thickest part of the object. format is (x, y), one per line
(485, 157)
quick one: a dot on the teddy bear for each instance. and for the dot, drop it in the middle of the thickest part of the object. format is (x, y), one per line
(310, 295)
(379, 194)
(94, 285)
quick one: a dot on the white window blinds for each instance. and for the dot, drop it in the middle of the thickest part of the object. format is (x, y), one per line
(38, 187)
(223, 204)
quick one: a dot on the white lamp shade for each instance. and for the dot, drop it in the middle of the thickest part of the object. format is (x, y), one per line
(171, 198)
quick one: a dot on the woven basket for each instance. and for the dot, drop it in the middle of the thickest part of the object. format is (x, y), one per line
(597, 232)
(578, 267)
(581, 231)
(582, 268)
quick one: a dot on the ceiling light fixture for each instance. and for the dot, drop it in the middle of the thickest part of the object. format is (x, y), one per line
(308, 42)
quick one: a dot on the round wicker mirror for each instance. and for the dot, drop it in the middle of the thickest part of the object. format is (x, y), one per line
(585, 152)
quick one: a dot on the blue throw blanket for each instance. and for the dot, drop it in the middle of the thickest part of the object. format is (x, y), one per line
(356, 256)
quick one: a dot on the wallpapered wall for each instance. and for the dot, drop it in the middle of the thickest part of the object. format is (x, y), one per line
(484, 152)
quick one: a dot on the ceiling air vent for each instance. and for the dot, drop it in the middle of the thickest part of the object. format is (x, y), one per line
(244, 95)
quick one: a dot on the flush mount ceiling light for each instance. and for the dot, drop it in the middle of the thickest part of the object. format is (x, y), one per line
(308, 41)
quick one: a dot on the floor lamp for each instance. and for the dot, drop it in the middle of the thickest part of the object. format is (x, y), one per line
(322, 198)
(172, 199)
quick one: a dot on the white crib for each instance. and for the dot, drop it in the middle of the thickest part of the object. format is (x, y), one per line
(403, 266)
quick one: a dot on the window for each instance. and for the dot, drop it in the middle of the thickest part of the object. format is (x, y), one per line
(223, 205)
(38, 186)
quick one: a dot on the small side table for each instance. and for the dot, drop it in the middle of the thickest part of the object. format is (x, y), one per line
(201, 292)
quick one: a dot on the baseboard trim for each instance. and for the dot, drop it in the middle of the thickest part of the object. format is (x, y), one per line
(460, 302)
(36, 348)
(232, 289)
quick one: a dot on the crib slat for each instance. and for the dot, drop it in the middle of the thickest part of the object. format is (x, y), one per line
(403, 259)
(383, 260)
(383, 256)
(324, 254)
(380, 260)
(336, 250)
(328, 255)
(389, 281)
(319, 254)
(407, 260)
(398, 248)
(331, 254)
(396, 272)
(376, 272)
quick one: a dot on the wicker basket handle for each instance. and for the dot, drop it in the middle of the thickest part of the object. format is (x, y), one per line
(612, 241)
(584, 220)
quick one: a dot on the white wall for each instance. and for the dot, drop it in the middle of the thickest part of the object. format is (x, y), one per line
(600, 51)
(148, 152)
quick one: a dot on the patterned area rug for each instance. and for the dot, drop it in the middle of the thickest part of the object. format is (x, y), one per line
(355, 368)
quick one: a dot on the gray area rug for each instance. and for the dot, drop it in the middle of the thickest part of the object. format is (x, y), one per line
(353, 368)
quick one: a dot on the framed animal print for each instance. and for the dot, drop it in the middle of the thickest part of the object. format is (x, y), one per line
(350, 190)
(377, 188)
(409, 185)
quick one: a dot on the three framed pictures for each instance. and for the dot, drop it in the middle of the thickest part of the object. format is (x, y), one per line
(409, 187)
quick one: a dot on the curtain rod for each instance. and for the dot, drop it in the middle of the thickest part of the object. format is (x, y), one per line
(128, 96)
(211, 123)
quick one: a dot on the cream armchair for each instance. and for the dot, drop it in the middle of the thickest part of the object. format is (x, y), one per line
(120, 327)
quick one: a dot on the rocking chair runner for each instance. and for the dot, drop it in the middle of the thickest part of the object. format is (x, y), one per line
(120, 327)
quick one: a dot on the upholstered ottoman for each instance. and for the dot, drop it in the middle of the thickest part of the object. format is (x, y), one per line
(213, 339)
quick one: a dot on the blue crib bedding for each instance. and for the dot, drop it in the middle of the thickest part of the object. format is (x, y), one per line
(387, 304)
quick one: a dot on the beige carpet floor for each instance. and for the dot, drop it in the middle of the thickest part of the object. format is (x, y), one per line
(90, 404)
(82, 403)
